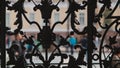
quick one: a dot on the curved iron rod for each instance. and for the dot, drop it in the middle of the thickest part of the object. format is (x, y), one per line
(35, 48)
(57, 47)
(104, 53)
(110, 15)
(60, 22)
(73, 24)
(34, 2)
(104, 27)
(110, 53)
(100, 60)
(33, 22)
(58, 2)
(117, 24)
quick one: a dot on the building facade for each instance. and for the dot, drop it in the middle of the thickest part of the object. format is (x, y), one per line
(36, 16)
(60, 15)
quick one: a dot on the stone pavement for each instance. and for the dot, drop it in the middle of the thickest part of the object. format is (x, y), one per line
(57, 59)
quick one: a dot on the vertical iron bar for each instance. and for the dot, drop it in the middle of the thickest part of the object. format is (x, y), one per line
(46, 54)
(46, 49)
(91, 14)
(2, 33)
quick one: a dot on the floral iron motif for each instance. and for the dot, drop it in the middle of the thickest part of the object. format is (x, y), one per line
(46, 36)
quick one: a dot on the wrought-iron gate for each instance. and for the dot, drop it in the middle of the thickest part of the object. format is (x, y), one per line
(46, 35)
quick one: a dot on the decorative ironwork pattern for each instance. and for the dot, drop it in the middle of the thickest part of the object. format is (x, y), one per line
(46, 35)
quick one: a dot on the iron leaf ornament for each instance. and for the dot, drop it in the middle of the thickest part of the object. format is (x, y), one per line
(112, 40)
(114, 51)
(19, 8)
(46, 35)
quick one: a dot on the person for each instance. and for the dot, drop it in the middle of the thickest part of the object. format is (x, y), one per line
(29, 47)
(72, 41)
(83, 41)
(17, 50)
(96, 42)
(84, 44)
(7, 41)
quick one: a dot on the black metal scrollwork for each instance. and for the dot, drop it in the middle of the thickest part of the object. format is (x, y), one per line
(112, 40)
(46, 35)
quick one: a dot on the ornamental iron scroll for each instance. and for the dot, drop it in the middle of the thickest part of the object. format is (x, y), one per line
(46, 36)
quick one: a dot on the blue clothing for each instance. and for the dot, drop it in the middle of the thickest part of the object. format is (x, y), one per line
(29, 47)
(72, 41)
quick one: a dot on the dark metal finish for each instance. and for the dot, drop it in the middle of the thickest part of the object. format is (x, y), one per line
(2, 33)
(46, 36)
(91, 14)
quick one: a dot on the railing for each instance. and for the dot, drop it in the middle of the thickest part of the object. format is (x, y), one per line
(65, 65)
(46, 35)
